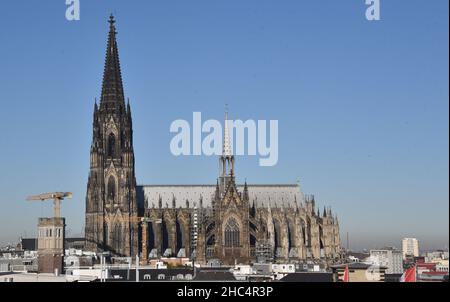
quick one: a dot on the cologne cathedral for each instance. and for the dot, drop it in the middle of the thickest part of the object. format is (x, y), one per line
(225, 221)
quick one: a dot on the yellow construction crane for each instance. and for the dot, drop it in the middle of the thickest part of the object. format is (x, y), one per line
(57, 197)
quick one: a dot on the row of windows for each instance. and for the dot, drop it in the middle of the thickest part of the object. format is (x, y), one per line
(173, 278)
(50, 232)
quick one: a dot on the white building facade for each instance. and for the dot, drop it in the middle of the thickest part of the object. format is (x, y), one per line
(389, 258)
(410, 247)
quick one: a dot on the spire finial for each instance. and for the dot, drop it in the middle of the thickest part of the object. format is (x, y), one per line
(112, 88)
(111, 19)
(112, 22)
(226, 138)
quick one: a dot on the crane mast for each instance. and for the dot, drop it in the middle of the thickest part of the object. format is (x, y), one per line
(57, 197)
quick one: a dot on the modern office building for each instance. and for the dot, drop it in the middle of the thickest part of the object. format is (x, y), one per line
(410, 247)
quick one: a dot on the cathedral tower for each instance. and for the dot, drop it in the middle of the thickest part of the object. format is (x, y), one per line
(231, 210)
(226, 159)
(111, 204)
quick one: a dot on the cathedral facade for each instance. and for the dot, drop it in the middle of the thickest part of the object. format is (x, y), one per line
(225, 221)
(111, 203)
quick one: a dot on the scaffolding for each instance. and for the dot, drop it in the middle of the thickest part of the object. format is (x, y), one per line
(264, 251)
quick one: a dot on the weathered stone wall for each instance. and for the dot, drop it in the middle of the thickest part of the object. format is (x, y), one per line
(295, 233)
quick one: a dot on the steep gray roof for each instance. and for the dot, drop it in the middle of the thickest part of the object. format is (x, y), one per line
(283, 195)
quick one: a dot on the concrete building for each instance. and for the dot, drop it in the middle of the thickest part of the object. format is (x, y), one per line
(390, 258)
(436, 256)
(309, 277)
(242, 272)
(442, 266)
(18, 264)
(361, 272)
(356, 256)
(282, 270)
(410, 247)
(31, 278)
(432, 271)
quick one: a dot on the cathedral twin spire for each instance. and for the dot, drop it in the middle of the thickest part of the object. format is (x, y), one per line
(112, 182)
(112, 88)
(227, 148)
(227, 158)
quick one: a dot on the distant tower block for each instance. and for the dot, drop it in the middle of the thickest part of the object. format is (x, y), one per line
(51, 244)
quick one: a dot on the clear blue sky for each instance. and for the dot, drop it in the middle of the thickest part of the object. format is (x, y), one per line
(362, 106)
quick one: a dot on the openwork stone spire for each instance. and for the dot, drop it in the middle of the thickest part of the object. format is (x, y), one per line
(112, 97)
(227, 158)
(111, 201)
(227, 148)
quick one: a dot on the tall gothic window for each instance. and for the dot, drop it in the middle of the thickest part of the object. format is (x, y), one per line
(232, 233)
(308, 233)
(111, 189)
(277, 229)
(117, 238)
(111, 145)
(106, 234)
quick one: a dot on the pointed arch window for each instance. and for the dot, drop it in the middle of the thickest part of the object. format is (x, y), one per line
(232, 233)
(111, 145)
(302, 229)
(117, 238)
(111, 190)
(277, 230)
(106, 234)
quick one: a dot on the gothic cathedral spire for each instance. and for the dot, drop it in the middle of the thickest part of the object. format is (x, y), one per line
(112, 98)
(227, 149)
(227, 157)
(111, 203)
